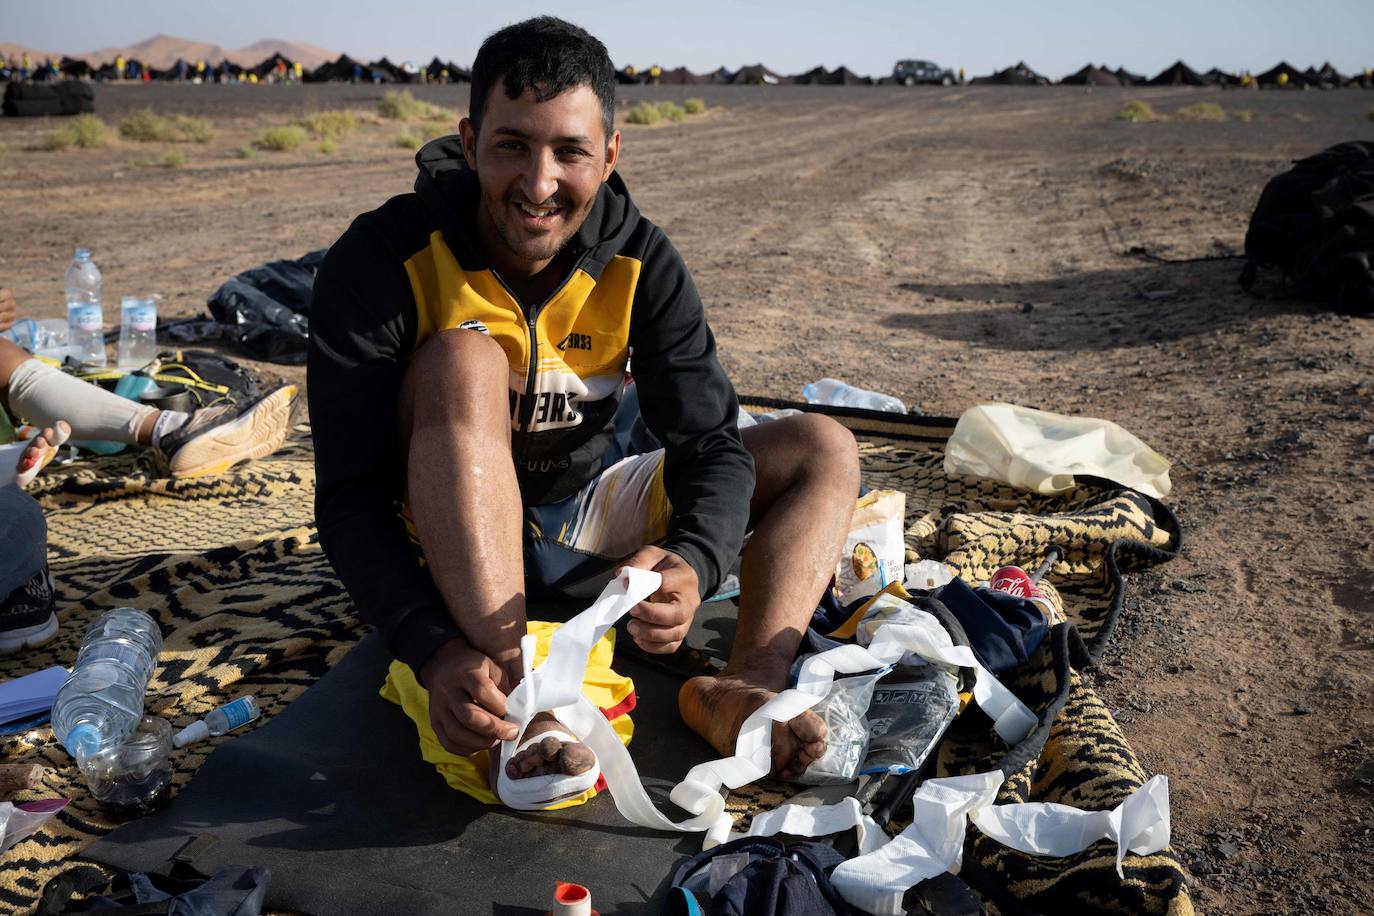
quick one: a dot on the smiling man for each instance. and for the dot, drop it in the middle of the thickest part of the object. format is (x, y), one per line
(476, 441)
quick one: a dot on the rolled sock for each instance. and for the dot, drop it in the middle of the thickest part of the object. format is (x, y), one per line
(43, 395)
(169, 421)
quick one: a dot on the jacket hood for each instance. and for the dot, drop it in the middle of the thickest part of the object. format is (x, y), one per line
(449, 189)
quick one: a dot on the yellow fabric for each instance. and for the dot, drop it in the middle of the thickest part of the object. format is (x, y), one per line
(602, 686)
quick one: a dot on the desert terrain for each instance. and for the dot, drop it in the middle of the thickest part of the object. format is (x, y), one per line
(951, 247)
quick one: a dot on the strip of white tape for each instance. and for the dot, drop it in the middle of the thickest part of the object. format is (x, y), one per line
(876, 879)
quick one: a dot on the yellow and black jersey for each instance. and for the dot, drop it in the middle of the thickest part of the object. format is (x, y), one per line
(413, 268)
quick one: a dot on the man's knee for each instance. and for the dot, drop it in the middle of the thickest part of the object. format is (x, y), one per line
(806, 448)
(832, 446)
(458, 373)
(457, 354)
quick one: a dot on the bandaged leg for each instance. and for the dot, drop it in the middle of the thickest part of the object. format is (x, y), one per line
(44, 395)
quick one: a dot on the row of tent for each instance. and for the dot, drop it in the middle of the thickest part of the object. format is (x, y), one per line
(346, 69)
(1282, 76)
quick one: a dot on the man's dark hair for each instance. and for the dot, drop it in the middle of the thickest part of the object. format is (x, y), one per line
(546, 56)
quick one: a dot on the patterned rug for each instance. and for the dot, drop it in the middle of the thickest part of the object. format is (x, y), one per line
(232, 570)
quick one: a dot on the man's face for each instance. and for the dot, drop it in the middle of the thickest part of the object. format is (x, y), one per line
(540, 165)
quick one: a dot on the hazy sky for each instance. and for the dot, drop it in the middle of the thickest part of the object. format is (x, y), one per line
(1055, 37)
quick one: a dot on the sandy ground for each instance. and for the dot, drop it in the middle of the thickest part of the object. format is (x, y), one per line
(950, 247)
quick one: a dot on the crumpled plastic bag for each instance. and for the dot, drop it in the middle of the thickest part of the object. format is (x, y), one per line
(18, 822)
(1042, 452)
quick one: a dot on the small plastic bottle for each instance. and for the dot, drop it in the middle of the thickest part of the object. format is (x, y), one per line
(85, 320)
(101, 702)
(836, 393)
(137, 332)
(226, 718)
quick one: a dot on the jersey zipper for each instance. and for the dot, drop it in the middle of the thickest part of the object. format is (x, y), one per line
(532, 316)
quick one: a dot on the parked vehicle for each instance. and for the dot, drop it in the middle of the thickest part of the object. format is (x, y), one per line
(912, 72)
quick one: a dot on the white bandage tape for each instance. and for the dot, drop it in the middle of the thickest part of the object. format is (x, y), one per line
(876, 879)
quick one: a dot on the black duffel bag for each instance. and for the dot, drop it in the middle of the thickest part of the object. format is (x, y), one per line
(69, 97)
(1315, 223)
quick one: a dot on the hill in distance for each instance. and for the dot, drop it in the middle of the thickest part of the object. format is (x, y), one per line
(163, 50)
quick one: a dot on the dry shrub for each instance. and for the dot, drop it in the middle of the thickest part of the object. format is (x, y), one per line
(672, 111)
(694, 106)
(245, 152)
(327, 146)
(281, 139)
(85, 131)
(329, 125)
(1202, 111)
(400, 105)
(644, 113)
(146, 126)
(193, 130)
(408, 141)
(172, 160)
(1137, 111)
(1244, 115)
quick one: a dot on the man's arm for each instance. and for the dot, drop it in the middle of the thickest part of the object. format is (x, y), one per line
(689, 404)
(362, 326)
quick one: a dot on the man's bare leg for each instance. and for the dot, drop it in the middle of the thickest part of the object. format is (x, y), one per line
(807, 481)
(465, 499)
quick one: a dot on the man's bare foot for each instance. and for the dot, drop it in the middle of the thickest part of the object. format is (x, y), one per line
(551, 756)
(716, 707)
(41, 449)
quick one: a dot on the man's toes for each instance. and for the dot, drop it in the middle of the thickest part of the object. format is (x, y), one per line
(575, 759)
(548, 749)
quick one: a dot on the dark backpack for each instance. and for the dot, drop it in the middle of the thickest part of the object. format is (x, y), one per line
(1315, 223)
(69, 97)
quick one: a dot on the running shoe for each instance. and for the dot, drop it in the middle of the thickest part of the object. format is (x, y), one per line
(28, 615)
(217, 438)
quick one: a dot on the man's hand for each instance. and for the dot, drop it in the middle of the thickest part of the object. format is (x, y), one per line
(466, 702)
(659, 624)
(8, 310)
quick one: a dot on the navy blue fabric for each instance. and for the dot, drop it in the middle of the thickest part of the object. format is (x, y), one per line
(1002, 630)
(782, 880)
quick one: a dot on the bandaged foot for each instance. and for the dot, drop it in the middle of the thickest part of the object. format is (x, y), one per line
(552, 755)
(716, 707)
(41, 450)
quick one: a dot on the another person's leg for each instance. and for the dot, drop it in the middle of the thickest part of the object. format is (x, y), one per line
(465, 500)
(807, 481)
(206, 441)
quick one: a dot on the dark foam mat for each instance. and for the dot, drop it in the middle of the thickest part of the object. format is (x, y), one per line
(333, 797)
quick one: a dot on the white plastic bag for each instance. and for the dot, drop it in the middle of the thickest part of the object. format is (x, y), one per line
(874, 551)
(1040, 451)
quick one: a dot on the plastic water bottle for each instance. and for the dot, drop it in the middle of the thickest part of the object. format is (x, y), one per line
(101, 702)
(231, 715)
(85, 321)
(838, 394)
(137, 332)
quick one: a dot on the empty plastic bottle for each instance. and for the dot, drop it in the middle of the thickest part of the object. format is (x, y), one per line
(137, 332)
(101, 702)
(85, 320)
(226, 718)
(838, 394)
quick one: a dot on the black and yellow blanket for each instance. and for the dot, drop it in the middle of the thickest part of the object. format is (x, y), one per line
(233, 572)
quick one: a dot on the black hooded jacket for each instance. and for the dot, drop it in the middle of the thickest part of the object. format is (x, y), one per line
(414, 267)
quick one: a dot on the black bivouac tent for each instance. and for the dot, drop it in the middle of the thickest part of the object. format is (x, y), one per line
(1180, 74)
(1016, 75)
(1092, 76)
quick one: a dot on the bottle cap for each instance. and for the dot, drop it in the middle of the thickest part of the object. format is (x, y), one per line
(82, 741)
(192, 733)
